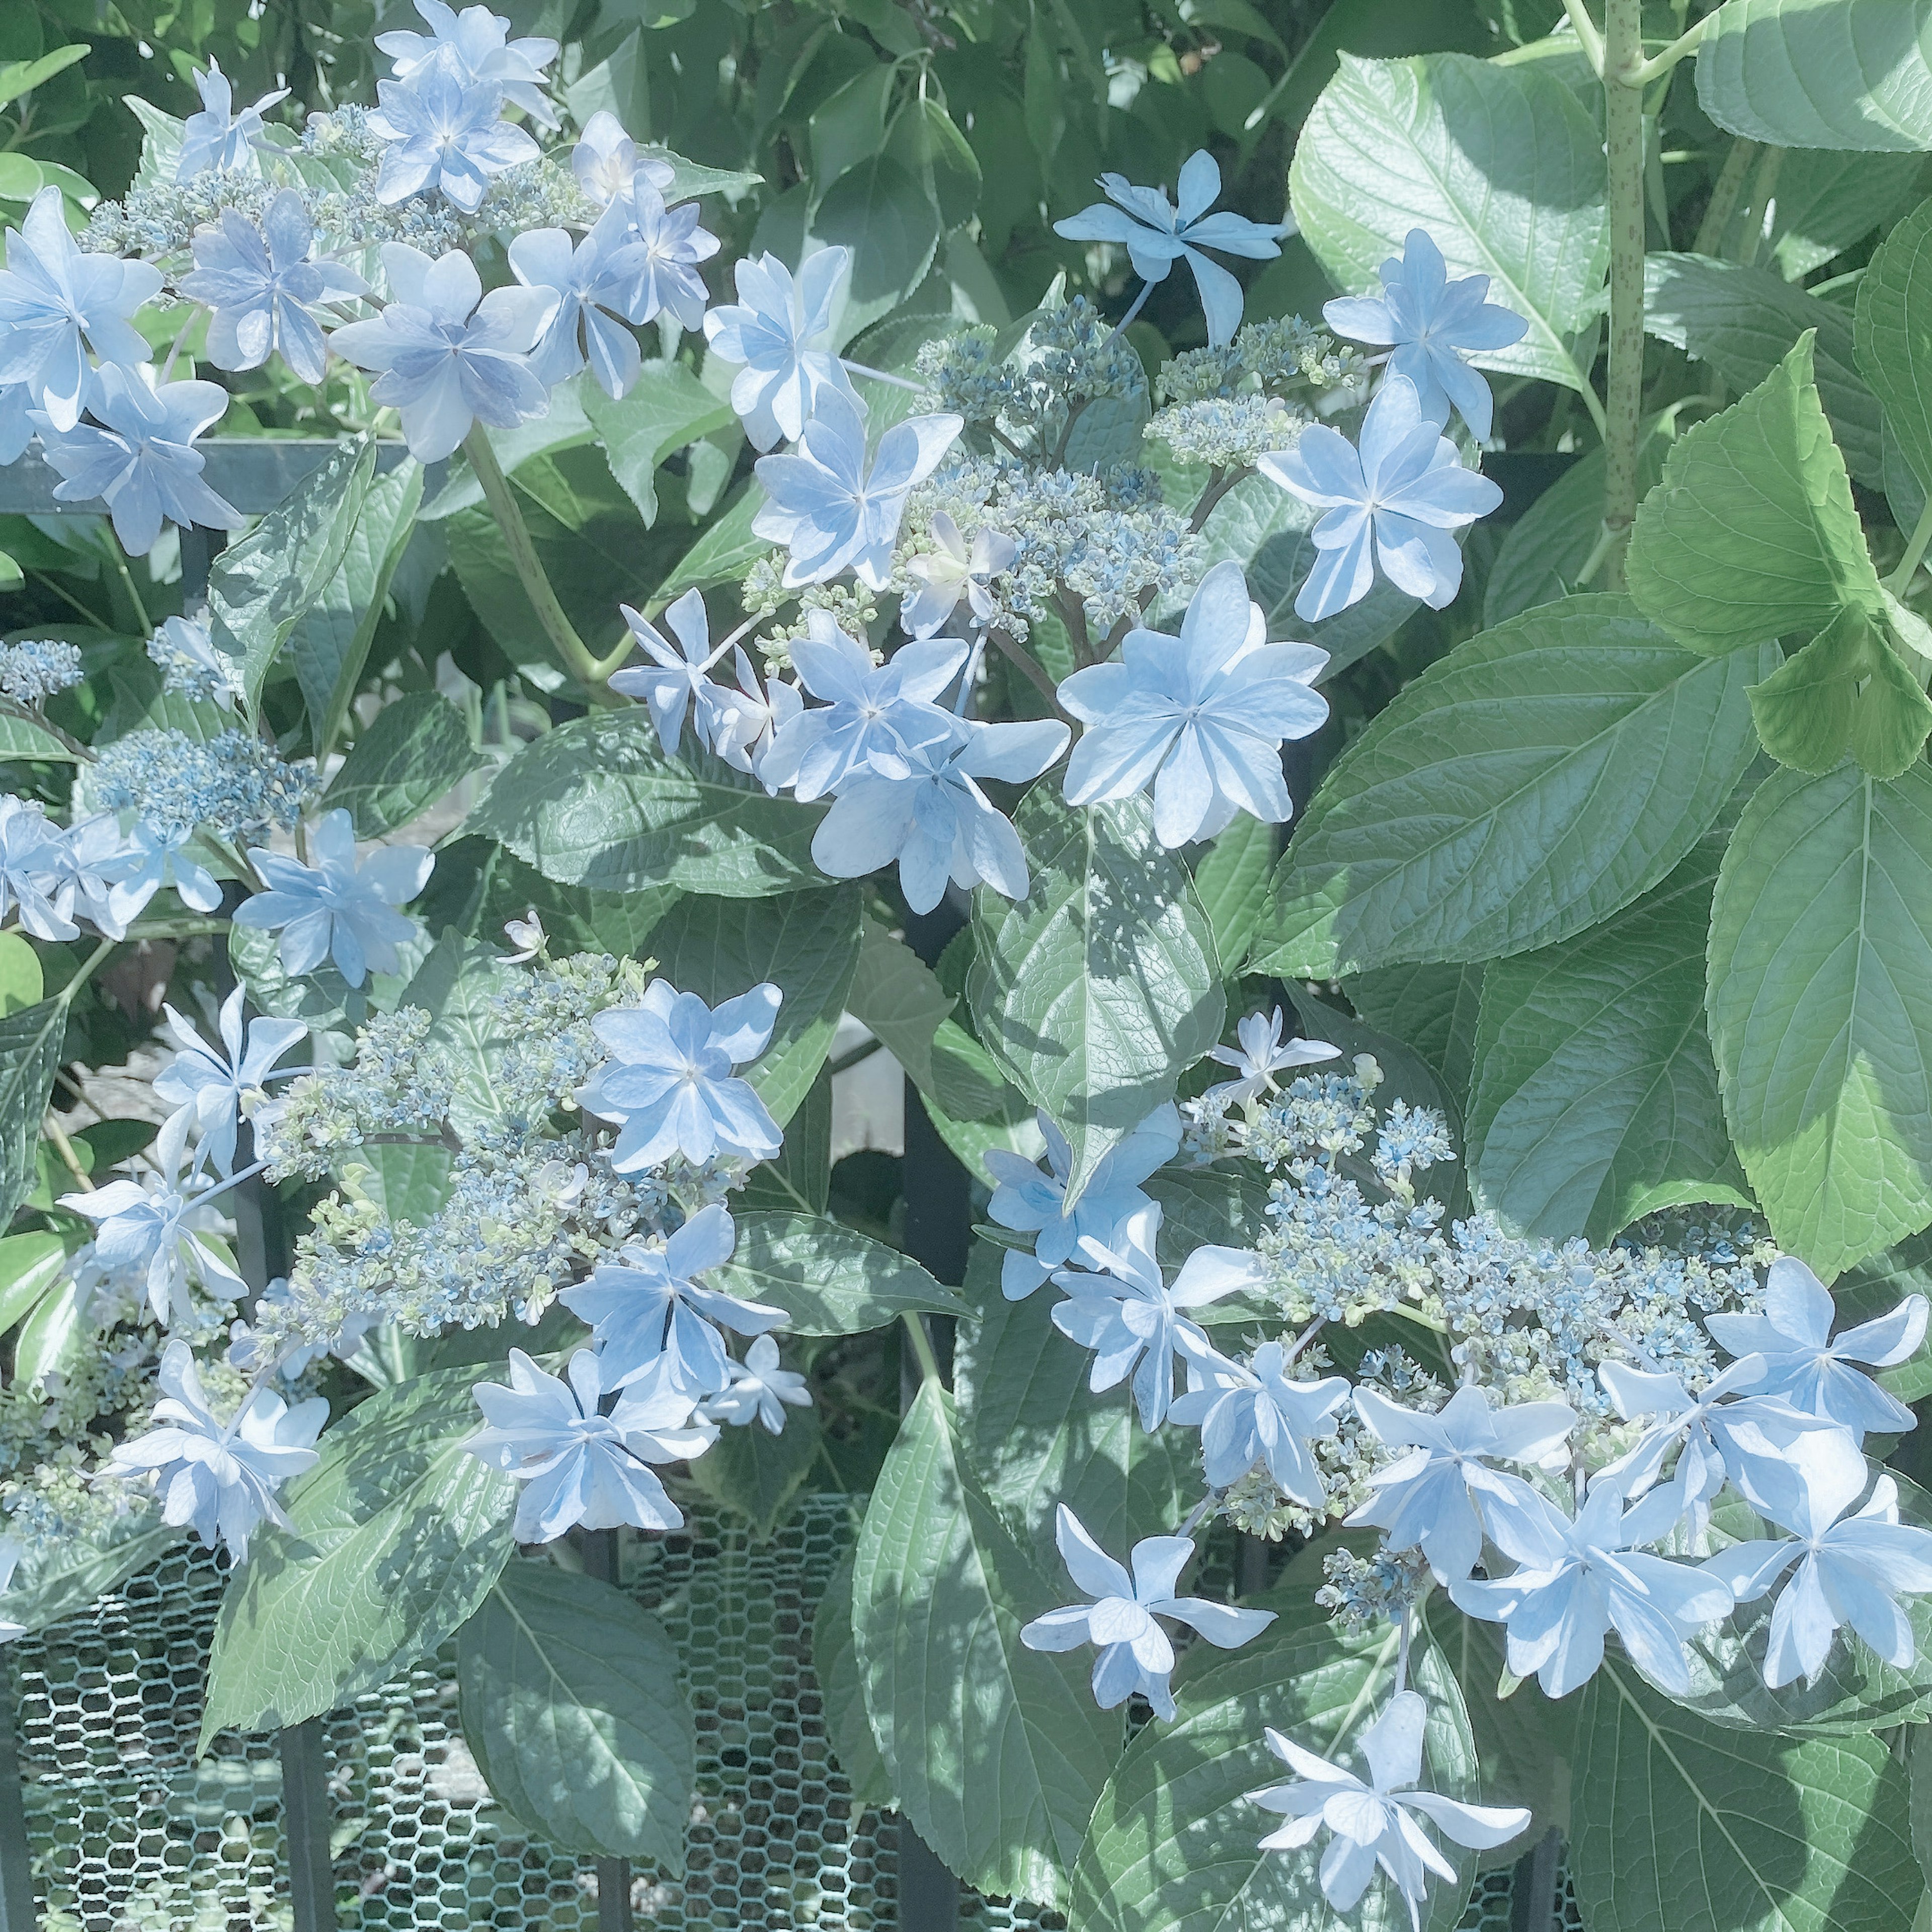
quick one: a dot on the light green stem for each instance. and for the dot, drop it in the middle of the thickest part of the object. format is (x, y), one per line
(1623, 126)
(1724, 193)
(922, 1347)
(1914, 550)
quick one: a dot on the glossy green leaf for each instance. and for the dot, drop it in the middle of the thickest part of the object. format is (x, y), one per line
(417, 748)
(900, 1000)
(31, 1040)
(725, 551)
(478, 886)
(62, 1575)
(1432, 1010)
(1596, 1096)
(1231, 880)
(18, 77)
(1502, 166)
(1826, 201)
(399, 1533)
(1850, 689)
(829, 1278)
(1820, 74)
(997, 1752)
(571, 1707)
(1893, 335)
(1679, 1826)
(1096, 990)
(755, 1475)
(1525, 787)
(595, 802)
(882, 212)
(665, 409)
(30, 1266)
(1820, 949)
(835, 1663)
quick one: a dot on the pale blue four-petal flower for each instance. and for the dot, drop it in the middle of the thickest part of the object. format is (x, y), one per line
(777, 329)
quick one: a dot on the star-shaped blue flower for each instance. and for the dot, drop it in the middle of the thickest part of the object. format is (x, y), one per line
(1157, 233)
(779, 329)
(665, 246)
(210, 1089)
(444, 135)
(474, 46)
(1397, 502)
(592, 285)
(1260, 1413)
(1432, 323)
(1202, 715)
(218, 137)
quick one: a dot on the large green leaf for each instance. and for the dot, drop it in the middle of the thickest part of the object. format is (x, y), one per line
(416, 749)
(572, 1709)
(1752, 533)
(997, 1752)
(1849, 689)
(399, 1533)
(1096, 991)
(835, 1663)
(830, 1280)
(1174, 1845)
(1231, 880)
(1596, 1097)
(595, 802)
(1502, 166)
(1527, 785)
(458, 984)
(1743, 321)
(899, 999)
(666, 408)
(726, 549)
(478, 886)
(1821, 951)
(1826, 201)
(755, 1475)
(1820, 74)
(1893, 335)
(61, 1575)
(261, 587)
(1039, 1437)
(1433, 1010)
(329, 643)
(1679, 1826)
(31, 1041)
(880, 211)
(805, 944)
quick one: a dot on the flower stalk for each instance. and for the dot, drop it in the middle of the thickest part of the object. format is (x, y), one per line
(1623, 69)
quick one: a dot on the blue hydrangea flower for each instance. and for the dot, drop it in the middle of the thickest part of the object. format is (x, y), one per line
(1259, 1414)
(210, 1089)
(57, 303)
(450, 354)
(32, 669)
(1851, 1569)
(219, 1479)
(1030, 1200)
(1136, 1654)
(654, 1319)
(592, 285)
(1261, 1054)
(1423, 1499)
(1395, 502)
(444, 135)
(150, 1239)
(139, 457)
(100, 869)
(674, 682)
(779, 329)
(218, 137)
(876, 718)
(1580, 1578)
(335, 908)
(936, 821)
(1432, 323)
(669, 1083)
(1814, 1371)
(1202, 715)
(474, 47)
(606, 163)
(946, 574)
(664, 247)
(261, 285)
(759, 1390)
(30, 868)
(1157, 233)
(16, 416)
(1134, 1320)
(828, 509)
(578, 1466)
(185, 651)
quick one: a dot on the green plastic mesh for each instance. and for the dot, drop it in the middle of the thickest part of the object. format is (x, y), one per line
(130, 1834)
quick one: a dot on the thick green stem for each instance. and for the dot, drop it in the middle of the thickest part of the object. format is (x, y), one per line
(1724, 193)
(921, 1346)
(1623, 125)
(1914, 550)
(589, 670)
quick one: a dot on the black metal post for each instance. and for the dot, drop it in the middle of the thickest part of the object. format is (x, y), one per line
(614, 1875)
(305, 1816)
(1534, 1904)
(17, 1911)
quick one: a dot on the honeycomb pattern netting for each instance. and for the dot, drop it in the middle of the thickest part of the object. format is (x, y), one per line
(130, 1833)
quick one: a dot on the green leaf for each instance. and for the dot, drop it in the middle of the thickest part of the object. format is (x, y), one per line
(595, 802)
(1596, 1097)
(1432, 1010)
(1849, 689)
(399, 1533)
(1096, 990)
(60, 1575)
(417, 748)
(805, 944)
(1502, 166)
(665, 409)
(1893, 335)
(160, 143)
(835, 1663)
(1522, 1742)
(1175, 1843)
(756, 1474)
(261, 587)
(458, 984)
(883, 215)
(829, 1278)
(1820, 73)
(31, 1265)
(997, 1752)
(478, 886)
(1752, 533)
(690, 179)
(1826, 201)
(31, 1041)
(801, 1176)
(726, 550)
(1208, 1206)
(1231, 880)
(410, 1182)
(900, 1000)
(1039, 1437)
(1678, 1826)
(1743, 321)
(1819, 954)
(329, 643)
(19, 77)
(571, 1707)
(24, 737)
(22, 981)
(1524, 788)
